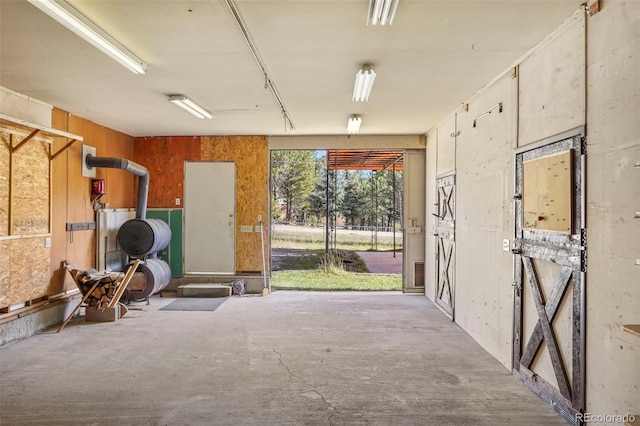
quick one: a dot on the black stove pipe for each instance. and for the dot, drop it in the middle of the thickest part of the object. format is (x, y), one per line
(129, 166)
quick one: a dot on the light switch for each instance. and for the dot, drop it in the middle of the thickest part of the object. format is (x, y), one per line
(505, 244)
(177, 201)
(47, 242)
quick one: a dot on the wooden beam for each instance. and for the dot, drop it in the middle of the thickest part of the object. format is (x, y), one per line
(84, 298)
(551, 308)
(25, 140)
(64, 148)
(123, 285)
(547, 331)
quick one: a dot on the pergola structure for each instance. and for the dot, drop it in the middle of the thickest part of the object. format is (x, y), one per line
(368, 160)
(364, 160)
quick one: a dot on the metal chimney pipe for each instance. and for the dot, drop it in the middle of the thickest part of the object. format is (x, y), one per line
(131, 167)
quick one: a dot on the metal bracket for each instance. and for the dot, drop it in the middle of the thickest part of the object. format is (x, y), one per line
(489, 111)
(81, 226)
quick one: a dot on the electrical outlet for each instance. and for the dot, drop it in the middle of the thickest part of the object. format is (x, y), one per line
(177, 201)
(259, 218)
(47, 242)
(506, 244)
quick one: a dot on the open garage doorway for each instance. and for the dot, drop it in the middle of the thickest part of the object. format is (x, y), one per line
(338, 215)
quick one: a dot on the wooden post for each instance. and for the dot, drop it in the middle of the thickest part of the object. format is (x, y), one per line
(123, 285)
(77, 307)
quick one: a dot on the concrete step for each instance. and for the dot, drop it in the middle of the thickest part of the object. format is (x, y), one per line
(204, 290)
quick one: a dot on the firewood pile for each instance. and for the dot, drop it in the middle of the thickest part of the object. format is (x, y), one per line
(106, 289)
(101, 292)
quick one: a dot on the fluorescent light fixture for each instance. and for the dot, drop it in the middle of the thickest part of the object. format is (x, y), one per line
(65, 14)
(364, 83)
(382, 11)
(353, 125)
(190, 106)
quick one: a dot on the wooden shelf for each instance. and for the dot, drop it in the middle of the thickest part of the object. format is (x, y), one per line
(632, 329)
(29, 127)
(30, 130)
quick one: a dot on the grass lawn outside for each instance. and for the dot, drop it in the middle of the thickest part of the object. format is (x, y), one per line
(312, 238)
(297, 261)
(335, 280)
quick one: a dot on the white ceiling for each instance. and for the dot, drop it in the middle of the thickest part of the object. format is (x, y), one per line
(436, 55)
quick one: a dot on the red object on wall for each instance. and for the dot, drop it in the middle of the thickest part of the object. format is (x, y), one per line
(98, 186)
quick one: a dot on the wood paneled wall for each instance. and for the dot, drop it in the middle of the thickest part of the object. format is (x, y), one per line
(71, 193)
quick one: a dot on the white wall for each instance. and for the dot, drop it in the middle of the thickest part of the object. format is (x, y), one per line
(484, 272)
(613, 195)
(430, 220)
(586, 72)
(19, 106)
(414, 215)
(346, 142)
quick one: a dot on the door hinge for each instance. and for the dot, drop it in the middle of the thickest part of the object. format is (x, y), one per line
(583, 145)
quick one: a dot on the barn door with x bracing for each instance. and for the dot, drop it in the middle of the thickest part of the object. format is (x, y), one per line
(549, 273)
(445, 243)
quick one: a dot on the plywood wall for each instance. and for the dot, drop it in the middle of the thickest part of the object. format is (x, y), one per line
(550, 98)
(251, 156)
(4, 184)
(24, 218)
(29, 269)
(30, 189)
(5, 273)
(613, 194)
(552, 82)
(484, 182)
(164, 157)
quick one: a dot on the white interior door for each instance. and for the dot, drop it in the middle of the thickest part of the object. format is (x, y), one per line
(209, 218)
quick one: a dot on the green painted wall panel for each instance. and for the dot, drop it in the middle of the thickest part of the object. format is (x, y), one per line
(173, 253)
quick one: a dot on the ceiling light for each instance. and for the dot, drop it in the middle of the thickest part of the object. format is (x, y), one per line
(353, 125)
(382, 11)
(190, 106)
(364, 83)
(65, 14)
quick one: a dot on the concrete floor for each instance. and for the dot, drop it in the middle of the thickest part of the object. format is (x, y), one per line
(291, 358)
